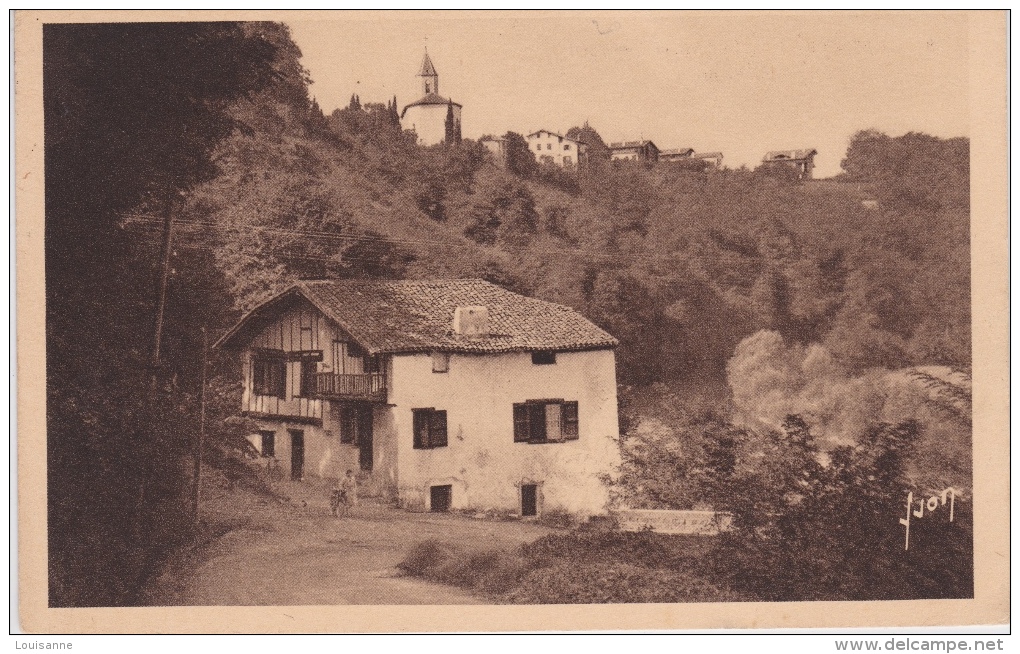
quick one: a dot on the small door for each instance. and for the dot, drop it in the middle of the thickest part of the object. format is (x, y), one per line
(440, 498)
(529, 500)
(297, 454)
(364, 413)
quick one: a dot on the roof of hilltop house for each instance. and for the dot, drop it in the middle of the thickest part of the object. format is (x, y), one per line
(788, 155)
(395, 317)
(686, 152)
(550, 133)
(630, 144)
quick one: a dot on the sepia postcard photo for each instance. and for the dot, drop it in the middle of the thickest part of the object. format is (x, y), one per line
(511, 321)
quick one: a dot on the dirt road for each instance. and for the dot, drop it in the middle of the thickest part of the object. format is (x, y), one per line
(295, 553)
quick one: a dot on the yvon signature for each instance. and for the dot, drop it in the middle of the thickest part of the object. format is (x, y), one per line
(932, 504)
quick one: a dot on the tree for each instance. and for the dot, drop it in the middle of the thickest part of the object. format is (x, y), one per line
(808, 530)
(520, 160)
(126, 132)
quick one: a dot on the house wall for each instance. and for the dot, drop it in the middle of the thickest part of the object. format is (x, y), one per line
(563, 151)
(429, 121)
(481, 461)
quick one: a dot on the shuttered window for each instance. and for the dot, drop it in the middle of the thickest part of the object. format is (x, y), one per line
(269, 374)
(545, 421)
(429, 427)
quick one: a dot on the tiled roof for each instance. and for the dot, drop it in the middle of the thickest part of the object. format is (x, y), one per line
(631, 144)
(391, 317)
(788, 155)
(545, 131)
(431, 98)
(427, 69)
(684, 152)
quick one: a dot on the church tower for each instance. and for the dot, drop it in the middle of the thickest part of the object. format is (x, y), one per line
(429, 76)
(433, 118)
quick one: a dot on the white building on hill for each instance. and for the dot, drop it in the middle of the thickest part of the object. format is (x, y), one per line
(434, 118)
(550, 147)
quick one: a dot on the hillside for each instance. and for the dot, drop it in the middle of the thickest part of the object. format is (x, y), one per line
(749, 307)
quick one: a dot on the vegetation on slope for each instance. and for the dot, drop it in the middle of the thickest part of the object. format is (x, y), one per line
(722, 286)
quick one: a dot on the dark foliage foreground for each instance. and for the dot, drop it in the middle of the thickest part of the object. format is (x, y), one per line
(802, 530)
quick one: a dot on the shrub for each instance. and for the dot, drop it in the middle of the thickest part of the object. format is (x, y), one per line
(567, 582)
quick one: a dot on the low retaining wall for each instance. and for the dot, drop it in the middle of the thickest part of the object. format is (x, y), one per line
(702, 523)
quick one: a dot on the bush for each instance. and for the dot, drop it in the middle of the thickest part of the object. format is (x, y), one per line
(567, 582)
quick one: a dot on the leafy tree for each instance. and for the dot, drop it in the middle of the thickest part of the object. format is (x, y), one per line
(125, 131)
(520, 160)
(806, 530)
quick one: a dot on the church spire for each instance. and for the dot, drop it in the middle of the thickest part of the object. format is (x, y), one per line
(428, 75)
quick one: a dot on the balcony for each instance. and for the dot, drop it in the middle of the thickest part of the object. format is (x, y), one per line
(367, 387)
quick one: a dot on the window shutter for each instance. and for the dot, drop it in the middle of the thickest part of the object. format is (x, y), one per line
(553, 422)
(536, 422)
(437, 428)
(569, 423)
(258, 386)
(522, 432)
(279, 378)
(420, 427)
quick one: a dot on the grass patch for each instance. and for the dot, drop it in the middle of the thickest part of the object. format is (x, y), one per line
(580, 567)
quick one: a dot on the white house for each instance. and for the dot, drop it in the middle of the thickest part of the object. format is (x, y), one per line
(444, 394)
(433, 118)
(550, 147)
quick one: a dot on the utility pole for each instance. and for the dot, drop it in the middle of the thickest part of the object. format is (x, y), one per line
(164, 278)
(146, 450)
(196, 489)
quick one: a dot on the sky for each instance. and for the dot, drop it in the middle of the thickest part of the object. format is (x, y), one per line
(742, 83)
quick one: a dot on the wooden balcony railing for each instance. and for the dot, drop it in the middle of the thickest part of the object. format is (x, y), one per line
(369, 386)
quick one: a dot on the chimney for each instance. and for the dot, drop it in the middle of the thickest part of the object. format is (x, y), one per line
(471, 321)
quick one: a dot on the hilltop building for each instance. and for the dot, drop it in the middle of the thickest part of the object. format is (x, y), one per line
(801, 161)
(634, 151)
(451, 394)
(676, 154)
(550, 147)
(433, 118)
(712, 159)
(497, 146)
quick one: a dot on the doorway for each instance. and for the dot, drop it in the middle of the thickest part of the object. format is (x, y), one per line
(529, 500)
(297, 454)
(364, 418)
(440, 498)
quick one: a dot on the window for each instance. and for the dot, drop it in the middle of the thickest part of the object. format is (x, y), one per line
(440, 362)
(268, 443)
(543, 358)
(538, 147)
(269, 372)
(567, 161)
(429, 428)
(548, 146)
(566, 146)
(308, 360)
(545, 421)
(440, 498)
